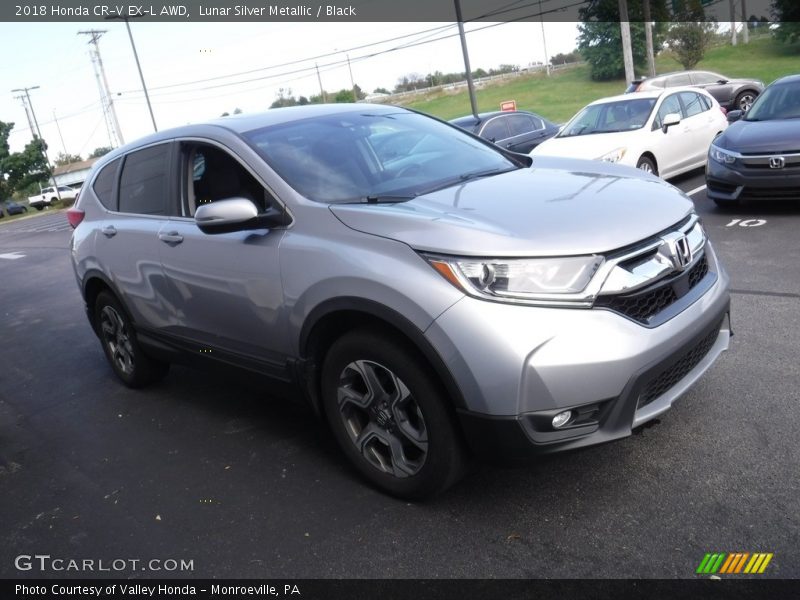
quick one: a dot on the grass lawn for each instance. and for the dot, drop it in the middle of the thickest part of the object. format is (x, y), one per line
(561, 95)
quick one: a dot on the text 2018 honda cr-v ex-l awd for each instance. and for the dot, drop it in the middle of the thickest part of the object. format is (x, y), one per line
(432, 295)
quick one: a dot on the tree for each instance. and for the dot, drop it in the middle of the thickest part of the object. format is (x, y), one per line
(63, 158)
(600, 39)
(689, 41)
(101, 151)
(787, 13)
(5, 130)
(19, 170)
(382, 90)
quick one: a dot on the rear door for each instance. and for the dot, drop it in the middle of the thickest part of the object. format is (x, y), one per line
(127, 242)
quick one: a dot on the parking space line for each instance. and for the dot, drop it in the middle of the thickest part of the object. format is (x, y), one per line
(695, 190)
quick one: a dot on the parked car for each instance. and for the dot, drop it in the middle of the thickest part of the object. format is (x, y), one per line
(451, 296)
(48, 195)
(732, 94)
(758, 157)
(517, 130)
(14, 208)
(663, 132)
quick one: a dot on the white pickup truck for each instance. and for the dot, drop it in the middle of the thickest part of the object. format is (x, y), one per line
(48, 195)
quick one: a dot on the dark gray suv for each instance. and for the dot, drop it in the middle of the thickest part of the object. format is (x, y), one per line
(430, 299)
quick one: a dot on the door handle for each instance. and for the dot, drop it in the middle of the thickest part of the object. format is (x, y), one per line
(109, 231)
(171, 238)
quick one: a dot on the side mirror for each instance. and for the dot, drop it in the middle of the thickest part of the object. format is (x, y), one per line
(235, 214)
(722, 81)
(734, 115)
(670, 120)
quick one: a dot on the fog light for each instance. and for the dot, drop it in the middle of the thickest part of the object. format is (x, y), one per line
(562, 419)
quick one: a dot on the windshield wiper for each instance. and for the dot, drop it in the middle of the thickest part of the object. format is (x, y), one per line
(376, 199)
(464, 177)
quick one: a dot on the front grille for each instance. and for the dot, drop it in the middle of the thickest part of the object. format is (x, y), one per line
(643, 305)
(663, 381)
(751, 192)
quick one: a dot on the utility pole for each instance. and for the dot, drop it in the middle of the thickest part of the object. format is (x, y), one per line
(745, 32)
(544, 40)
(352, 81)
(470, 86)
(321, 90)
(733, 23)
(61, 137)
(27, 114)
(625, 29)
(648, 36)
(108, 103)
(39, 133)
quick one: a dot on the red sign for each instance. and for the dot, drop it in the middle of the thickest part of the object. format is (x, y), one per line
(508, 105)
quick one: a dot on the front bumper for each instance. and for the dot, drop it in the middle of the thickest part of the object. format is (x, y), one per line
(517, 367)
(742, 183)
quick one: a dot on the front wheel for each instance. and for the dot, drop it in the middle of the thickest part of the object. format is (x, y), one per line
(745, 100)
(647, 165)
(122, 350)
(390, 417)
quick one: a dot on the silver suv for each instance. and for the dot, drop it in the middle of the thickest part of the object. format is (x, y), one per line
(430, 294)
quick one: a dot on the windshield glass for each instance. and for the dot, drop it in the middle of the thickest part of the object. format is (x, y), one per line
(776, 102)
(352, 157)
(610, 117)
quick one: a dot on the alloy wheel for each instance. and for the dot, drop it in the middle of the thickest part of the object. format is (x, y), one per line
(382, 418)
(117, 339)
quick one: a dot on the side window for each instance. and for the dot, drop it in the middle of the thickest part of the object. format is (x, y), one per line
(211, 174)
(670, 105)
(519, 124)
(676, 80)
(104, 185)
(705, 102)
(705, 78)
(143, 184)
(692, 104)
(495, 129)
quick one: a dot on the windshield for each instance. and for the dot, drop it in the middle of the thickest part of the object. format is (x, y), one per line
(610, 117)
(356, 157)
(776, 102)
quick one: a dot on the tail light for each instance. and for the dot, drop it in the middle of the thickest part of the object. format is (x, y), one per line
(75, 216)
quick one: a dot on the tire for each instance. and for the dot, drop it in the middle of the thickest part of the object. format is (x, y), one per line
(38, 207)
(647, 165)
(118, 338)
(744, 100)
(393, 421)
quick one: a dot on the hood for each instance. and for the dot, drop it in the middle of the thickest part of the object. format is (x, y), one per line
(591, 146)
(767, 137)
(556, 207)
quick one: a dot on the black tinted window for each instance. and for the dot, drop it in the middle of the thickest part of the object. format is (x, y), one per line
(104, 185)
(143, 185)
(495, 129)
(519, 124)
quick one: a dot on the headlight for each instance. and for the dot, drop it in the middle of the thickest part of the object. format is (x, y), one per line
(526, 280)
(721, 156)
(613, 156)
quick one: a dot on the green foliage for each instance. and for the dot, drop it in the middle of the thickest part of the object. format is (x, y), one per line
(600, 38)
(101, 151)
(381, 90)
(563, 59)
(19, 170)
(787, 12)
(689, 40)
(62, 159)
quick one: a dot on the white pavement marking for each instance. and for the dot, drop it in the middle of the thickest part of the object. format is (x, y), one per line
(695, 190)
(12, 255)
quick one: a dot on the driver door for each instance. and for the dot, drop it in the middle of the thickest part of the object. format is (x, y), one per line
(225, 289)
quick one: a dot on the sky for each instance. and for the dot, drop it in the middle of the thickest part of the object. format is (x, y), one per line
(56, 58)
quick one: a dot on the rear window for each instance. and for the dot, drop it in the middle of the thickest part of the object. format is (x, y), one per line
(104, 185)
(143, 183)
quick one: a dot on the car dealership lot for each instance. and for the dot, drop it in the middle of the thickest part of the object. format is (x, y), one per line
(204, 467)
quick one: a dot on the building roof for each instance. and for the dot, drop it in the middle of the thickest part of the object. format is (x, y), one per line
(76, 166)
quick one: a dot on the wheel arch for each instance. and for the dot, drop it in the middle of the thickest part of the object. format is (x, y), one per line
(330, 320)
(95, 282)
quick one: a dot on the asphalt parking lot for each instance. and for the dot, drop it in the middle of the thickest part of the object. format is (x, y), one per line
(207, 468)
